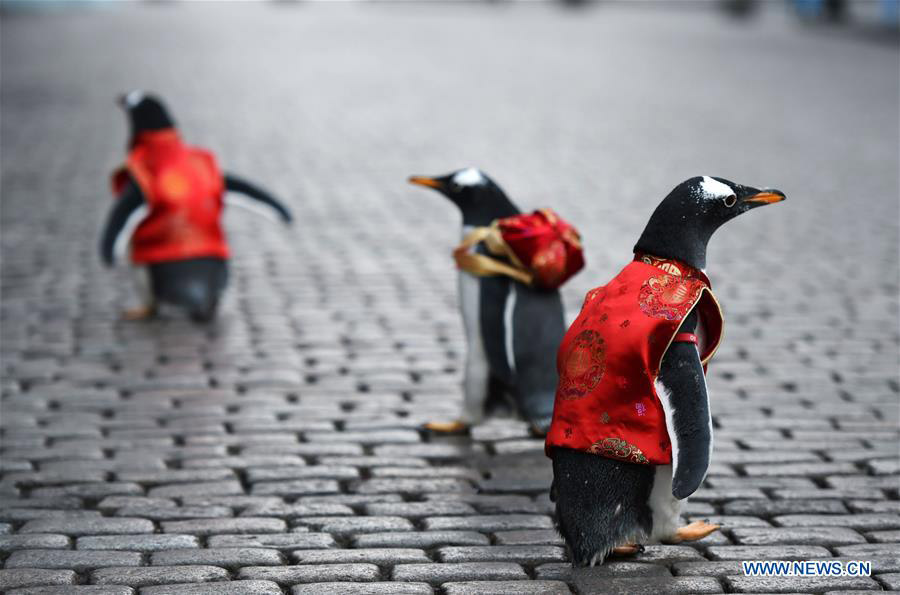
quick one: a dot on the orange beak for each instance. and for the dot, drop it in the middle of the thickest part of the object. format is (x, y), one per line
(766, 197)
(423, 181)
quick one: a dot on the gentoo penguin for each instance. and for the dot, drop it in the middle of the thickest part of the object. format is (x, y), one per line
(170, 200)
(510, 327)
(631, 436)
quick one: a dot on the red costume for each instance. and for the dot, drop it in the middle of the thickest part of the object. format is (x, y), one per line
(609, 360)
(183, 189)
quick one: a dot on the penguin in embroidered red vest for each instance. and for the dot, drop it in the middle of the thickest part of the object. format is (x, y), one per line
(168, 210)
(510, 326)
(631, 435)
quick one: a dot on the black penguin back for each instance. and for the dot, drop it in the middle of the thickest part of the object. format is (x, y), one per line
(601, 503)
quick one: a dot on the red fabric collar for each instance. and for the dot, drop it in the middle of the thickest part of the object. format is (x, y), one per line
(673, 267)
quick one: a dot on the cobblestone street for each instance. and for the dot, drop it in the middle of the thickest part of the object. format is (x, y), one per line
(281, 448)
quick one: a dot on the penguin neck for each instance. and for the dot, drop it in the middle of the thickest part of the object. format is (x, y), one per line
(155, 137)
(483, 215)
(687, 244)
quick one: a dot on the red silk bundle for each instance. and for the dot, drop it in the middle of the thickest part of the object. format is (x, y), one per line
(546, 245)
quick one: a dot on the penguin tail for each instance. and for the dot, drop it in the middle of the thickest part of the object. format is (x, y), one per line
(201, 301)
(601, 503)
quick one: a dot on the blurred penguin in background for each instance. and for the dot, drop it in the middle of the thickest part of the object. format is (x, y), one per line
(168, 211)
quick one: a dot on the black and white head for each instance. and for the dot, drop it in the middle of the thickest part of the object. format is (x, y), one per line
(479, 199)
(145, 111)
(684, 221)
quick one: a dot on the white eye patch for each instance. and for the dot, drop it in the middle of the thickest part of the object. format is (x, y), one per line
(714, 189)
(468, 177)
(134, 98)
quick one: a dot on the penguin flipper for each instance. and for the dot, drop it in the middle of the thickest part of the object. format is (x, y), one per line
(601, 503)
(681, 387)
(235, 184)
(127, 213)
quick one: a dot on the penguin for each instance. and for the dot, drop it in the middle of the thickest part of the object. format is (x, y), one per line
(168, 211)
(631, 436)
(510, 327)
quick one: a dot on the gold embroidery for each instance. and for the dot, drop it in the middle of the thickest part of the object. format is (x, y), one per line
(616, 448)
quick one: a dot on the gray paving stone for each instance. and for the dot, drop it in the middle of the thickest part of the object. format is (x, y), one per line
(889, 580)
(208, 488)
(166, 476)
(599, 583)
(768, 552)
(71, 559)
(666, 554)
(277, 541)
(379, 556)
(116, 502)
(524, 554)
(498, 522)
(776, 507)
(418, 509)
(350, 525)
(796, 536)
(413, 486)
(224, 557)
(349, 499)
(11, 578)
(89, 490)
(528, 537)
(222, 526)
(419, 539)
(382, 588)
(237, 501)
(168, 513)
(158, 575)
(563, 571)
(27, 514)
(874, 506)
(297, 487)
(868, 549)
(89, 526)
(436, 574)
(74, 590)
(9, 543)
(505, 587)
(289, 511)
(855, 521)
(753, 584)
(138, 543)
(290, 575)
(218, 588)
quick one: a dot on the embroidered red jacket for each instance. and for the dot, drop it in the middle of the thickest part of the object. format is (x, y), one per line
(609, 359)
(183, 189)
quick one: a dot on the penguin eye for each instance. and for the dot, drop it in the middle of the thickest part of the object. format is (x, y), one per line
(730, 200)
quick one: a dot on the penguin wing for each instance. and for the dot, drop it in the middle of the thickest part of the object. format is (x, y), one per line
(259, 197)
(681, 387)
(127, 213)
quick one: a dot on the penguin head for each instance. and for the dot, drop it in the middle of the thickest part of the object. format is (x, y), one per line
(478, 197)
(146, 112)
(684, 221)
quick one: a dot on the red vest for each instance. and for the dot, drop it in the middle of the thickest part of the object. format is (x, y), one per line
(609, 359)
(183, 189)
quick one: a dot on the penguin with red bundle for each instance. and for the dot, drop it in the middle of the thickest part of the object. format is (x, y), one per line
(170, 198)
(631, 435)
(512, 312)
